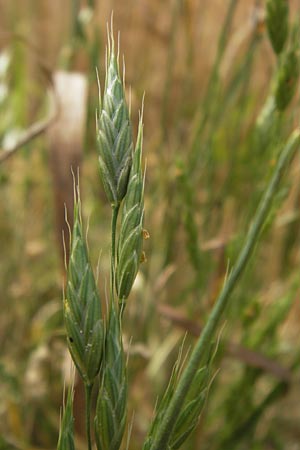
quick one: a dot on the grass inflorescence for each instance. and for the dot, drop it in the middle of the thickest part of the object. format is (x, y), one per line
(96, 342)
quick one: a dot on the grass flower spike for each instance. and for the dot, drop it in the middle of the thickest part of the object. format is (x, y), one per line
(82, 307)
(131, 231)
(114, 134)
(287, 80)
(277, 23)
(111, 407)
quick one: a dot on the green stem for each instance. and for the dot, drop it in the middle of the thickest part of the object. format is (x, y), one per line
(169, 419)
(88, 395)
(115, 212)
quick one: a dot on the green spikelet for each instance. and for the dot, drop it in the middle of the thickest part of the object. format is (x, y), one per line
(191, 409)
(66, 432)
(82, 307)
(277, 21)
(287, 80)
(110, 416)
(163, 405)
(114, 134)
(130, 241)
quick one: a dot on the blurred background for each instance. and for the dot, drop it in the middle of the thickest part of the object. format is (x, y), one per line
(207, 68)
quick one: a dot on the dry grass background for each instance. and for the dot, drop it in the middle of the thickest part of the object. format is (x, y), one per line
(169, 47)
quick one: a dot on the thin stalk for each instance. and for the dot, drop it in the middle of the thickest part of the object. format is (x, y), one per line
(88, 396)
(169, 419)
(115, 212)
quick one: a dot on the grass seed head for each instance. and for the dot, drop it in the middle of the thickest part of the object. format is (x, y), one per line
(192, 405)
(287, 79)
(277, 23)
(82, 307)
(129, 251)
(191, 409)
(111, 408)
(114, 134)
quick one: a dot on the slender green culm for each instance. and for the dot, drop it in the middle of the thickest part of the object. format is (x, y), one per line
(111, 406)
(130, 241)
(66, 431)
(277, 20)
(166, 430)
(82, 306)
(114, 134)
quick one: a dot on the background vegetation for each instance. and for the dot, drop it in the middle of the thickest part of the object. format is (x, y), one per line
(208, 69)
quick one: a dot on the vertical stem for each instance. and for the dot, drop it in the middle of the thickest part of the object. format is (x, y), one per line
(170, 416)
(115, 211)
(88, 395)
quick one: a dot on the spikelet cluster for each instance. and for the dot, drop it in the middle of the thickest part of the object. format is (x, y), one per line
(192, 407)
(162, 407)
(130, 241)
(97, 349)
(82, 307)
(277, 23)
(114, 134)
(189, 414)
(110, 416)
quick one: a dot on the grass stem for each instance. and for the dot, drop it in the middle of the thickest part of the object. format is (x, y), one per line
(168, 421)
(88, 395)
